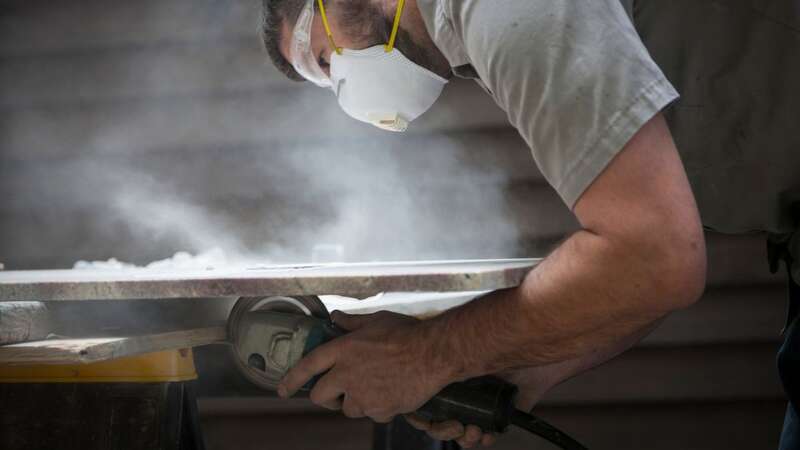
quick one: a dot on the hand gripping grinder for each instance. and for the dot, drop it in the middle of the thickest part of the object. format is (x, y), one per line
(271, 334)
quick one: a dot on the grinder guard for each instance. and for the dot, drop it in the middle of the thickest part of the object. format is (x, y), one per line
(271, 334)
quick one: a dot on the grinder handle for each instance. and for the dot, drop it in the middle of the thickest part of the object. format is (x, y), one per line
(486, 402)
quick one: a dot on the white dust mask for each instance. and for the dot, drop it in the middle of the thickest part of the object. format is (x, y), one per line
(383, 88)
(377, 85)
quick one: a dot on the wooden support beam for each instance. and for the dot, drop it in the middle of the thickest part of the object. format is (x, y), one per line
(23, 321)
(87, 350)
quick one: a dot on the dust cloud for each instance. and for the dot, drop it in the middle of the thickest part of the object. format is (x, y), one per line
(235, 164)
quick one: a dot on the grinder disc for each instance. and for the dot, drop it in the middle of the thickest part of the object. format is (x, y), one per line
(309, 305)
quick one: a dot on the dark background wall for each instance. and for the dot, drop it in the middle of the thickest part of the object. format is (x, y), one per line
(138, 129)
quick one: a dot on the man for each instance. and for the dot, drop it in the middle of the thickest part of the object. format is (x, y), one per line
(580, 86)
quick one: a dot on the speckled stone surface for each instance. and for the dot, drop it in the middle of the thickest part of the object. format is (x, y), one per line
(343, 279)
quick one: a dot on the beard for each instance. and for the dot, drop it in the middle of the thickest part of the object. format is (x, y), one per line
(418, 54)
(365, 23)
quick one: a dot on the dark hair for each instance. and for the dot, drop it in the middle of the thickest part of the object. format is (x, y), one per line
(274, 14)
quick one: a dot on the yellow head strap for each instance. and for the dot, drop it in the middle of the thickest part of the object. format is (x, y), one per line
(395, 26)
(325, 24)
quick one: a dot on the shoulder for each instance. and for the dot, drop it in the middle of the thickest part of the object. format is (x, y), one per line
(438, 17)
(572, 75)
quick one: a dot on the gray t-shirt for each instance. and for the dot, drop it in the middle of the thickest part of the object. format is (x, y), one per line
(577, 82)
(572, 75)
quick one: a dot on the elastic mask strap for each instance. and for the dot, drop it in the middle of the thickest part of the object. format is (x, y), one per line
(395, 26)
(338, 50)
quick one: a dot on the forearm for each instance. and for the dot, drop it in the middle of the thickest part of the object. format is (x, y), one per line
(589, 295)
(559, 372)
(534, 382)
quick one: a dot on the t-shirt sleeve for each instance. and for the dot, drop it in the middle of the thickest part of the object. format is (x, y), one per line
(572, 75)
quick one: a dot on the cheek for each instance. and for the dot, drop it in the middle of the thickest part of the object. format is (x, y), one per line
(319, 40)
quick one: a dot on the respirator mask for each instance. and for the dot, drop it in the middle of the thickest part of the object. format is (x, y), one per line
(377, 85)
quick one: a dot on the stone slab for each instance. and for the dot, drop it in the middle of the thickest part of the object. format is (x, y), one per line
(361, 279)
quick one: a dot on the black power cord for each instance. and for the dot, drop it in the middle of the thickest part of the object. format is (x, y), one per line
(544, 430)
(488, 403)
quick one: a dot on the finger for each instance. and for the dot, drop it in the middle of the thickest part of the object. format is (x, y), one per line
(328, 392)
(318, 361)
(351, 322)
(446, 431)
(381, 419)
(488, 439)
(472, 435)
(351, 409)
(417, 422)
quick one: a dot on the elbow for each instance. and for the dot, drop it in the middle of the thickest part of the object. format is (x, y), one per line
(667, 268)
(680, 278)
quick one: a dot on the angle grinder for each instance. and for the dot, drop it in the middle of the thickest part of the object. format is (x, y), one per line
(271, 334)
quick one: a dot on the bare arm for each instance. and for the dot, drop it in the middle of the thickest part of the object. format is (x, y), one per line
(600, 293)
(535, 382)
(640, 255)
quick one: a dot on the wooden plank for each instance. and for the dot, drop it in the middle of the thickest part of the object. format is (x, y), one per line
(51, 26)
(366, 278)
(242, 117)
(23, 321)
(87, 350)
